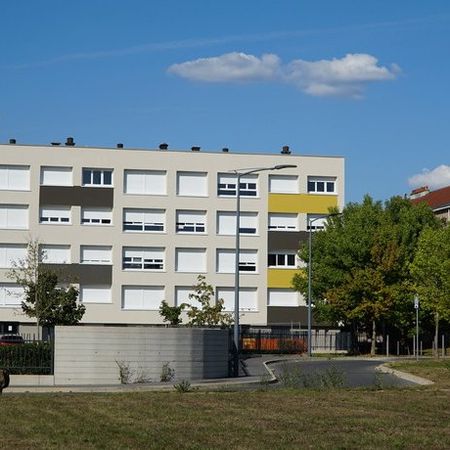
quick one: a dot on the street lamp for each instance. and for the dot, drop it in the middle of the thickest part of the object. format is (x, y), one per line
(310, 222)
(239, 175)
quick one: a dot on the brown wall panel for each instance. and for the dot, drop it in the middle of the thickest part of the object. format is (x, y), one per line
(281, 315)
(83, 273)
(286, 240)
(76, 196)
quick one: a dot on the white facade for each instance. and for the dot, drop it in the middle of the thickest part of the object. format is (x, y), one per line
(154, 220)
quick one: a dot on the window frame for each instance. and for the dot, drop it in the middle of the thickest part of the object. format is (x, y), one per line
(313, 183)
(281, 260)
(102, 177)
(60, 220)
(138, 263)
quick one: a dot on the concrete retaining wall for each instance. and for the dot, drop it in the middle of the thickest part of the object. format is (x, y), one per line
(104, 355)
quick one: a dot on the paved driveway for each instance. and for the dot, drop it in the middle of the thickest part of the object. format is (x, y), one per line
(355, 373)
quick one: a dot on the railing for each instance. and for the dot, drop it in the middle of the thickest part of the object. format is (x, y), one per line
(30, 358)
(294, 341)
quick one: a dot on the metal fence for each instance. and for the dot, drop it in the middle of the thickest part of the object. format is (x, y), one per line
(294, 341)
(33, 357)
(392, 345)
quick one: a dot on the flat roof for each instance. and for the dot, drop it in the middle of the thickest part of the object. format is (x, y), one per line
(214, 152)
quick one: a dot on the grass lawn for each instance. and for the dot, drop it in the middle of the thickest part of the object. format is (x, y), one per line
(416, 418)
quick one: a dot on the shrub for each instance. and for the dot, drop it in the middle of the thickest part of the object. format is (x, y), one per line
(27, 359)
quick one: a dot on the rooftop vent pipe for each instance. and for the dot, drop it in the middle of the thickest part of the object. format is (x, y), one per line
(163, 146)
(195, 149)
(120, 145)
(12, 141)
(70, 142)
(285, 150)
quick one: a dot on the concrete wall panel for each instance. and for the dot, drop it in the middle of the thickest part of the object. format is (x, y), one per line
(92, 355)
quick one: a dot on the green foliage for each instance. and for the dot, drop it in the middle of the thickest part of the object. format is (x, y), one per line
(56, 306)
(183, 386)
(360, 267)
(43, 300)
(171, 314)
(291, 376)
(26, 359)
(209, 314)
(430, 270)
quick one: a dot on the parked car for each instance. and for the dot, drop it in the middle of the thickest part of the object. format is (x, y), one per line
(11, 339)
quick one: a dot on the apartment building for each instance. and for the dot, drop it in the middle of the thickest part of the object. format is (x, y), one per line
(133, 227)
(438, 200)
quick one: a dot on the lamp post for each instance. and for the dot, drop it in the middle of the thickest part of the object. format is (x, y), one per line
(239, 175)
(310, 222)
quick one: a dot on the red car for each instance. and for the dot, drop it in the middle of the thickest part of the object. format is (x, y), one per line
(11, 339)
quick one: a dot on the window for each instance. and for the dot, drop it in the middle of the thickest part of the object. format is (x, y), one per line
(96, 254)
(143, 258)
(15, 178)
(194, 184)
(248, 299)
(144, 220)
(14, 217)
(190, 260)
(96, 216)
(11, 295)
(56, 176)
(55, 254)
(226, 261)
(226, 223)
(283, 222)
(95, 294)
(12, 253)
(281, 260)
(322, 185)
(182, 296)
(55, 215)
(97, 177)
(227, 186)
(282, 297)
(145, 182)
(316, 222)
(142, 297)
(283, 184)
(191, 222)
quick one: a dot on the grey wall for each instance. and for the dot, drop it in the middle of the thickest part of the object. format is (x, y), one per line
(91, 354)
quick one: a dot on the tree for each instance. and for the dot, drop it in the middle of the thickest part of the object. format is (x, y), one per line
(171, 314)
(208, 314)
(56, 306)
(360, 266)
(430, 270)
(49, 304)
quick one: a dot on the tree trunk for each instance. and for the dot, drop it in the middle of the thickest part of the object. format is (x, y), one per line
(374, 339)
(436, 335)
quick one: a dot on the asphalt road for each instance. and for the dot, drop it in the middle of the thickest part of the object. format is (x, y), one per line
(353, 373)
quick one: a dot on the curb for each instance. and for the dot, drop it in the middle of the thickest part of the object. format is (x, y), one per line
(404, 375)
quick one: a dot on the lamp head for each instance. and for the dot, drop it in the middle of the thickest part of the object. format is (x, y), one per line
(284, 166)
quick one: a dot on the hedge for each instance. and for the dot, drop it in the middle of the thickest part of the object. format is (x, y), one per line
(27, 359)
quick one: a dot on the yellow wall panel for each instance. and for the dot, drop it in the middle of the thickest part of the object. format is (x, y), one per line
(301, 203)
(280, 278)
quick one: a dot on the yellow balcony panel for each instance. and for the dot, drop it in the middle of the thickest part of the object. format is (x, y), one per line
(301, 203)
(280, 278)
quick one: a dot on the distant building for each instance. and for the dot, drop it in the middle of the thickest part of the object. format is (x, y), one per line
(438, 200)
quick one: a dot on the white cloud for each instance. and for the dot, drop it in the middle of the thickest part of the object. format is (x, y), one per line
(347, 76)
(230, 67)
(434, 179)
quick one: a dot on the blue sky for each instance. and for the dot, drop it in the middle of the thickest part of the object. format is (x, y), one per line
(365, 80)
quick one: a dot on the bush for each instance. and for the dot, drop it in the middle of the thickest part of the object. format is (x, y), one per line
(27, 359)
